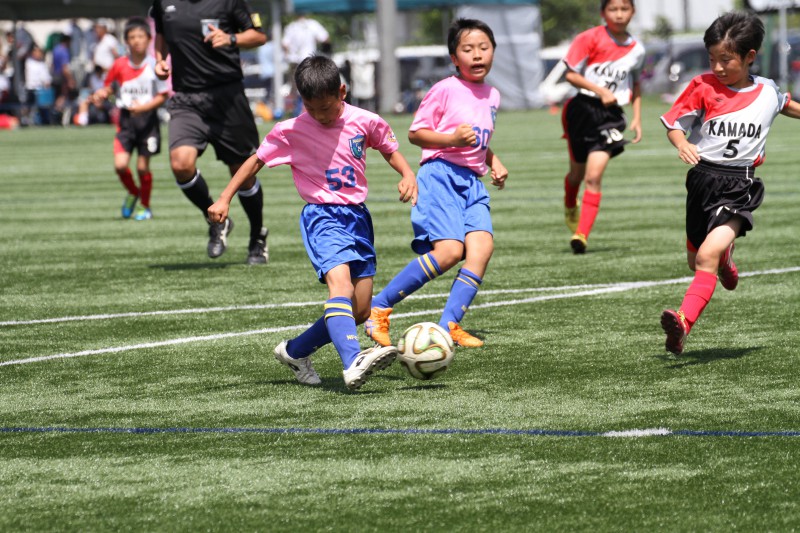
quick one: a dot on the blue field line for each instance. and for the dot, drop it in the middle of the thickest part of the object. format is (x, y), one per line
(637, 433)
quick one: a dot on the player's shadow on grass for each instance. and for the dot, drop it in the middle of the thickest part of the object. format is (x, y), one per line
(336, 384)
(704, 357)
(196, 266)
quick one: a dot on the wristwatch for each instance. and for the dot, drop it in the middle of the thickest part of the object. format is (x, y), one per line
(233, 39)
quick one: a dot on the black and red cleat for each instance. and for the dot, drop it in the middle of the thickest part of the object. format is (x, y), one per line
(728, 273)
(676, 328)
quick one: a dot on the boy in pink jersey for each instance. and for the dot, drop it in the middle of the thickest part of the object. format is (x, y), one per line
(140, 94)
(453, 125)
(603, 64)
(728, 113)
(326, 149)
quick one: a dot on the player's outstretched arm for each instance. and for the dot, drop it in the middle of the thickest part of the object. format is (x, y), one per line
(156, 102)
(219, 211)
(499, 172)
(407, 187)
(687, 152)
(463, 135)
(247, 39)
(792, 109)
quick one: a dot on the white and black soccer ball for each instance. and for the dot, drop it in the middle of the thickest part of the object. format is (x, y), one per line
(425, 350)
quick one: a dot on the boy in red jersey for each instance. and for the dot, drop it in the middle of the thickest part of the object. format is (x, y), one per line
(728, 113)
(140, 94)
(604, 65)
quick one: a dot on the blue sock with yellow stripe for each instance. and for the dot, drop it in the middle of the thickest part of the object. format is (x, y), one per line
(342, 328)
(309, 341)
(416, 274)
(463, 291)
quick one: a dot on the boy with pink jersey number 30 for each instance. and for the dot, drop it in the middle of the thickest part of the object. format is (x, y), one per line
(453, 126)
(326, 149)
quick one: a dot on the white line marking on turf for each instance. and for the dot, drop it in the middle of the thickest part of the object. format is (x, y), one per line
(652, 432)
(199, 310)
(619, 287)
(157, 344)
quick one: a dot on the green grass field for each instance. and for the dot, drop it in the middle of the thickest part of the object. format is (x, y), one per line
(138, 389)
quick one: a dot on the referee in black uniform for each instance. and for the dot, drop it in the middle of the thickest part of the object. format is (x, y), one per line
(209, 104)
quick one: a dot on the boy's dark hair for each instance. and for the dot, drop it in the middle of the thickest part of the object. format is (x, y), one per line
(738, 31)
(459, 26)
(317, 77)
(137, 23)
(604, 3)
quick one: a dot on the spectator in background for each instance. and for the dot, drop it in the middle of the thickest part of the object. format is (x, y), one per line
(266, 64)
(37, 79)
(63, 80)
(301, 37)
(106, 51)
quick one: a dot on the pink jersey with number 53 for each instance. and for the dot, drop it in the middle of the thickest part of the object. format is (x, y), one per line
(328, 162)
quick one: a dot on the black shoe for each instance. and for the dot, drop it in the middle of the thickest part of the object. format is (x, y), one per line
(259, 251)
(218, 237)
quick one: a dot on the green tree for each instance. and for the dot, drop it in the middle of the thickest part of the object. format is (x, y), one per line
(563, 19)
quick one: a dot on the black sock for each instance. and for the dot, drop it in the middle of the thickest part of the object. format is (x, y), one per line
(253, 203)
(196, 191)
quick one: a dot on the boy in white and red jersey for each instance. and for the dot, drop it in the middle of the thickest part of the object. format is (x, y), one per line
(604, 64)
(326, 149)
(139, 94)
(451, 222)
(728, 114)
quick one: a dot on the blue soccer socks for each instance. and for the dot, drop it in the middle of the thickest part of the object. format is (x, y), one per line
(309, 341)
(416, 274)
(463, 291)
(341, 327)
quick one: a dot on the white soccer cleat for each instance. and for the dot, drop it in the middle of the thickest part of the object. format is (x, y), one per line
(368, 362)
(303, 368)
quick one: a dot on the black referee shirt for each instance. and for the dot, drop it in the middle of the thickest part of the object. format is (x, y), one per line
(197, 66)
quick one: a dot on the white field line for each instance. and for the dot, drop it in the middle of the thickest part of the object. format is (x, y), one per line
(619, 287)
(199, 310)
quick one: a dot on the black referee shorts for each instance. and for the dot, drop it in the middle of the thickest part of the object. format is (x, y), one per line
(589, 126)
(219, 116)
(717, 193)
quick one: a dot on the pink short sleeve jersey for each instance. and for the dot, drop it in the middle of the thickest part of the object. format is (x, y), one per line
(599, 58)
(328, 162)
(450, 103)
(728, 126)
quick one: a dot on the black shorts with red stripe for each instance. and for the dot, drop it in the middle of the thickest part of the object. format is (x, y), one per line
(716, 194)
(589, 126)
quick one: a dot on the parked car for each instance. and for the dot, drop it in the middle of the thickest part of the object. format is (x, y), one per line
(676, 63)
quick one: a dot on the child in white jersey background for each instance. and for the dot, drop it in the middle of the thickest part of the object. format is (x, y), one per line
(603, 64)
(728, 114)
(139, 94)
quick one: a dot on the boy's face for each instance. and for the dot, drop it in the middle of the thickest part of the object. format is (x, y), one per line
(618, 14)
(474, 55)
(729, 67)
(327, 109)
(137, 40)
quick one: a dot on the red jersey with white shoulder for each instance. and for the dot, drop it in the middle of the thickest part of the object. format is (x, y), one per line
(728, 126)
(598, 57)
(138, 84)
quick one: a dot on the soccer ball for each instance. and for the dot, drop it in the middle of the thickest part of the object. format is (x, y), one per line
(425, 350)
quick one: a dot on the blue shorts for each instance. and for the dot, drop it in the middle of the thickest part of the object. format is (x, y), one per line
(452, 202)
(339, 234)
